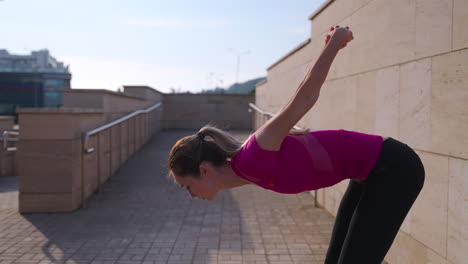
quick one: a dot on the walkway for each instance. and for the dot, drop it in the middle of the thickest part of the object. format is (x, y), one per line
(142, 217)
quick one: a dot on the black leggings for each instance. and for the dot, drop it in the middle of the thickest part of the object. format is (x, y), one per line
(372, 211)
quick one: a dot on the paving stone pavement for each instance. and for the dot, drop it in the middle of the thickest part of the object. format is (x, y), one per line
(140, 216)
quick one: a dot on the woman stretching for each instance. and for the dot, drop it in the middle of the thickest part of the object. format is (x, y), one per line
(385, 174)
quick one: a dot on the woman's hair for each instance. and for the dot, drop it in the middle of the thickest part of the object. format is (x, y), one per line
(187, 154)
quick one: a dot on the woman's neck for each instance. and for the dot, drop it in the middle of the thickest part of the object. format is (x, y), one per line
(230, 179)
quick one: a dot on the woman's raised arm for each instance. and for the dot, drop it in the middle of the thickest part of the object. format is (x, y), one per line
(271, 134)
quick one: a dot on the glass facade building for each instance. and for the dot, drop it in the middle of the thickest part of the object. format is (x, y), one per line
(36, 80)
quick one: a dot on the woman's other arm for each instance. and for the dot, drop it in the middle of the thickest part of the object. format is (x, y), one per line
(271, 134)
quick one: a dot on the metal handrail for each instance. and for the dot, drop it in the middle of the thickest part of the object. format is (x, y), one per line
(256, 108)
(88, 134)
(7, 139)
(86, 150)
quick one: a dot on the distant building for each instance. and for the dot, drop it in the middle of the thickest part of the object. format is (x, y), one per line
(35, 80)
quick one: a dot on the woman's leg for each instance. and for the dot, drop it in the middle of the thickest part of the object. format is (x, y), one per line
(385, 202)
(343, 218)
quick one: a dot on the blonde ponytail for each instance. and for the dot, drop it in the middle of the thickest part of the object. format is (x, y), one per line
(225, 141)
(189, 152)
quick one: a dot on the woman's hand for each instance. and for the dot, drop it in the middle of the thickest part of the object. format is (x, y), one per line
(340, 34)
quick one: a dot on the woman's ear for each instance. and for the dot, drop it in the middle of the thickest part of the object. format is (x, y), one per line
(204, 168)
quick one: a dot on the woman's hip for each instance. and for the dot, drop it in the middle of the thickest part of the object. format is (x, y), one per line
(398, 166)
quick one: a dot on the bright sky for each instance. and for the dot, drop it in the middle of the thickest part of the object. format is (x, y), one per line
(165, 44)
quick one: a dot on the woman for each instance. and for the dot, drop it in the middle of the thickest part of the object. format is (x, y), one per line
(386, 175)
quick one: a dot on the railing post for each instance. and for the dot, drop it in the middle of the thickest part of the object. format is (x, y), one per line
(135, 128)
(120, 144)
(111, 168)
(134, 120)
(143, 129)
(146, 127)
(152, 125)
(83, 200)
(128, 139)
(149, 126)
(137, 133)
(98, 152)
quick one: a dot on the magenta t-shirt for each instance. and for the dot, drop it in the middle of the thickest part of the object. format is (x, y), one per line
(309, 162)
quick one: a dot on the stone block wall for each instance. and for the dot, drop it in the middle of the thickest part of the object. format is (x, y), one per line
(113, 104)
(405, 75)
(50, 157)
(143, 92)
(58, 169)
(193, 111)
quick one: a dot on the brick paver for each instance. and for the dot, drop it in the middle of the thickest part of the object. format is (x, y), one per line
(8, 193)
(142, 217)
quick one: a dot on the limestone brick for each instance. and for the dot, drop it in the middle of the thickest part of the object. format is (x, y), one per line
(56, 202)
(57, 123)
(460, 20)
(449, 111)
(336, 11)
(415, 104)
(337, 104)
(457, 211)
(433, 32)
(408, 250)
(387, 102)
(429, 213)
(384, 34)
(49, 165)
(366, 102)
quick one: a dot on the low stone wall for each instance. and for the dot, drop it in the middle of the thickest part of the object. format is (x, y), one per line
(143, 92)
(57, 172)
(113, 104)
(50, 171)
(192, 111)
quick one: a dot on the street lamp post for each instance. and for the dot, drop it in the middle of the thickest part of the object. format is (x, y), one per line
(238, 54)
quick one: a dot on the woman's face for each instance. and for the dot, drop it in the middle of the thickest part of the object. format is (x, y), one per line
(203, 187)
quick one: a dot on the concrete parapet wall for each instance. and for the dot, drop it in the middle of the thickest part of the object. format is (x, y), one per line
(144, 92)
(58, 173)
(59, 170)
(50, 159)
(113, 104)
(404, 76)
(192, 111)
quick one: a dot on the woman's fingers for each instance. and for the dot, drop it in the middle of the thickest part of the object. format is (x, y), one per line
(349, 37)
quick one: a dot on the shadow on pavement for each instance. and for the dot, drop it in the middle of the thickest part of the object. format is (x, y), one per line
(141, 216)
